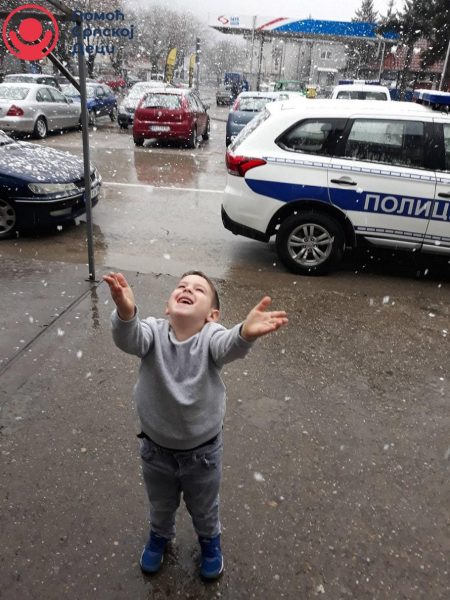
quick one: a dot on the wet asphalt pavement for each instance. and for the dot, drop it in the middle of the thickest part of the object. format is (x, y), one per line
(337, 443)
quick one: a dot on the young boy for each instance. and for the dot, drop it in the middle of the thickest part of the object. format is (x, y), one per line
(180, 400)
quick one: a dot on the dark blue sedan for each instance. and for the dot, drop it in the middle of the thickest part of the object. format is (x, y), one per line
(40, 186)
(101, 101)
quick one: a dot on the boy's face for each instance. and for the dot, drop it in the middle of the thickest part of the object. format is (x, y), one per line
(193, 299)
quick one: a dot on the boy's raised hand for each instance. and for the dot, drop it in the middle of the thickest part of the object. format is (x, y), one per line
(122, 295)
(260, 322)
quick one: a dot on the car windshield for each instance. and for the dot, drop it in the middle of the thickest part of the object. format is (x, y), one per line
(72, 92)
(138, 91)
(69, 90)
(90, 91)
(291, 86)
(162, 101)
(9, 92)
(252, 103)
(20, 79)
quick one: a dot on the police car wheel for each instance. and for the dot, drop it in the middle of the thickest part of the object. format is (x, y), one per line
(310, 243)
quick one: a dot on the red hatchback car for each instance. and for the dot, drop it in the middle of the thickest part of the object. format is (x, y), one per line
(171, 114)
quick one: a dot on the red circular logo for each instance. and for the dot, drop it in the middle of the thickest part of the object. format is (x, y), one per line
(29, 41)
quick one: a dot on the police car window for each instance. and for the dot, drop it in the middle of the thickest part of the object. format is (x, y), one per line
(313, 136)
(361, 95)
(447, 146)
(249, 128)
(347, 95)
(374, 96)
(387, 141)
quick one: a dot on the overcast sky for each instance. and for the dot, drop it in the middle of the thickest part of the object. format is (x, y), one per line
(333, 10)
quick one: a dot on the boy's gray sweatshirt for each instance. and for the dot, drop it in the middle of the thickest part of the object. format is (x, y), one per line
(179, 395)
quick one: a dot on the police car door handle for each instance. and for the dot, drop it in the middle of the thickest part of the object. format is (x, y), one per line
(444, 195)
(344, 181)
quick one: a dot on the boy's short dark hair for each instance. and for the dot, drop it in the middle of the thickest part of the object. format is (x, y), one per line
(216, 301)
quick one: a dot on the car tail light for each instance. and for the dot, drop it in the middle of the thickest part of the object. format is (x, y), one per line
(235, 105)
(14, 111)
(239, 165)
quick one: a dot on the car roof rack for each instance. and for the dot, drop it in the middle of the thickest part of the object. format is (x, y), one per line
(435, 99)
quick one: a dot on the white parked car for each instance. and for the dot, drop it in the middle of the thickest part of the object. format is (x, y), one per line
(360, 91)
(324, 175)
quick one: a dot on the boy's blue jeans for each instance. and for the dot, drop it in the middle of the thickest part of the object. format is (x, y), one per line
(195, 473)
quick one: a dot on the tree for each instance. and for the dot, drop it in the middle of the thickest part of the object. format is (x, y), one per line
(440, 36)
(413, 22)
(221, 56)
(362, 54)
(159, 29)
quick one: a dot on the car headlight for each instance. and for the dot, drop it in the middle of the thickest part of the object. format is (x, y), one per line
(52, 188)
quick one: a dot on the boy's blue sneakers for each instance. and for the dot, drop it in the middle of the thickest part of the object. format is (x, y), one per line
(212, 559)
(153, 554)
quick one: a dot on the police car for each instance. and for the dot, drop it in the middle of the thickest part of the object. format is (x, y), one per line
(360, 91)
(323, 175)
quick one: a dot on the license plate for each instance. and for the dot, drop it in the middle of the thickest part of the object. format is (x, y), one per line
(95, 191)
(159, 128)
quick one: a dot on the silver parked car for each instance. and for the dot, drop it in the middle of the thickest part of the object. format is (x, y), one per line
(36, 109)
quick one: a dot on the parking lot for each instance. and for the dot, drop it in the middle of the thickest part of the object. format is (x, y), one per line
(337, 452)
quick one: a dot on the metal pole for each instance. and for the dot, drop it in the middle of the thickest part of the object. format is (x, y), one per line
(197, 60)
(86, 158)
(253, 45)
(258, 78)
(445, 66)
(383, 50)
(281, 60)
